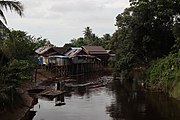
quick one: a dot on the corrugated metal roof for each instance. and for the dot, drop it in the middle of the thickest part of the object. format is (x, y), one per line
(94, 50)
(42, 50)
(73, 52)
(55, 50)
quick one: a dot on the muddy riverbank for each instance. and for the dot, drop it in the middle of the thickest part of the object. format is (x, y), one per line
(20, 110)
(27, 102)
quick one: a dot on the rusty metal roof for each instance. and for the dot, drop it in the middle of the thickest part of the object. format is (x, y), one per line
(49, 50)
(43, 49)
(73, 52)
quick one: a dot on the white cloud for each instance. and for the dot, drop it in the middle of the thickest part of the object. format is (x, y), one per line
(62, 20)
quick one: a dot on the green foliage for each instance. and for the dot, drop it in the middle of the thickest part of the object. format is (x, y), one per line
(164, 73)
(147, 30)
(9, 98)
(78, 42)
(16, 71)
(176, 31)
(106, 41)
(18, 48)
(90, 38)
(19, 45)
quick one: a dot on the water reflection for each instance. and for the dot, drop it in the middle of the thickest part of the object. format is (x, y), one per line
(132, 104)
(115, 102)
(90, 106)
(167, 107)
(60, 100)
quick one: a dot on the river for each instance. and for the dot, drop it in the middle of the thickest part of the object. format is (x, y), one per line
(112, 102)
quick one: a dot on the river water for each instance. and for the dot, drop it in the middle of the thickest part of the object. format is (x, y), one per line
(112, 102)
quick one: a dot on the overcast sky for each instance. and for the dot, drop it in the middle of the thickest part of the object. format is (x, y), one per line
(62, 20)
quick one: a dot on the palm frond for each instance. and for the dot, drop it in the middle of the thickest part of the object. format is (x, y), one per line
(3, 26)
(13, 6)
(3, 16)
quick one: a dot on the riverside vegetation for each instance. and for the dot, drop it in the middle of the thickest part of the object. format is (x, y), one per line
(17, 66)
(164, 75)
(16, 58)
(147, 36)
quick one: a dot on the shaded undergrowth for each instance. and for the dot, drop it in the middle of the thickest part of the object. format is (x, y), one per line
(164, 75)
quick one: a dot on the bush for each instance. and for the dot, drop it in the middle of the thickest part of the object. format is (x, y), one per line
(164, 73)
(16, 71)
(9, 98)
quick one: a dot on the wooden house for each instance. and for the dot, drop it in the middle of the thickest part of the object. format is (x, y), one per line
(74, 51)
(75, 54)
(44, 52)
(58, 60)
(97, 51)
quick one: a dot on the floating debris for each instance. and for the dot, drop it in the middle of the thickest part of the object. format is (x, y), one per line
(100, 82)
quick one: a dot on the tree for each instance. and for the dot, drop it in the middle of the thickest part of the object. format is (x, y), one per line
(89, 39)
(19, 56)
(106, 39)
(22, 46)
(88, 34)
(145, 32)
(78, 42)
(15, 6)
(176, 31)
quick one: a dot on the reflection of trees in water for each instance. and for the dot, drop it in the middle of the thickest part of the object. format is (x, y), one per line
(168, 108)
(129, 104)
(81, 91)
